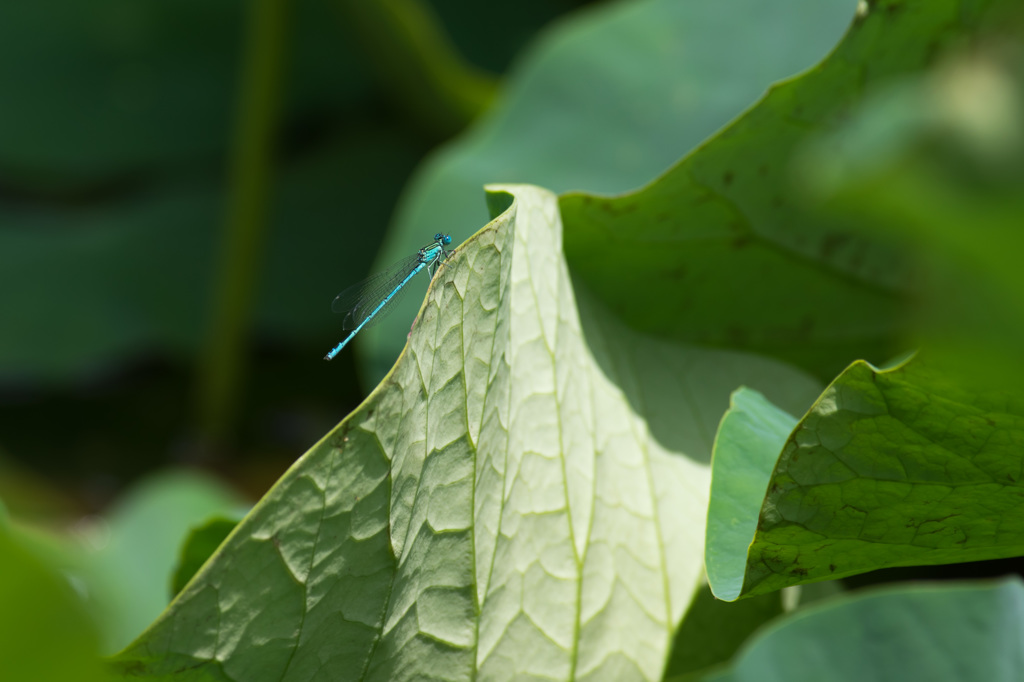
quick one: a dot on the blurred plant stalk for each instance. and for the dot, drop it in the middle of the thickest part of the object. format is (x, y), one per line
(417, 65)
(248, 188)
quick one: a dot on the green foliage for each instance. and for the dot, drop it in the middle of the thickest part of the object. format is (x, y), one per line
(713, 630)
(810, 288)
(202, 541)
(119, 563)
(603, 104)
(525, 492)
(130, 552)
(889, 468)
(747, 445)
(45, 632)
(116, 120)
(923, 633)
(934, 165)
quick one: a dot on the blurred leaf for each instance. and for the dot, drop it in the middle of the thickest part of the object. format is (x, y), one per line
(899, 467)
(522, 495)
(936, 164)
(122, 214)
(202, 541)
(728, 239)
(45, 633)
(95, 90)
(923, 633)
(116, 281)
(98, 92)
(135, 275)
(713, 630)
(131, 552)
(603, 103)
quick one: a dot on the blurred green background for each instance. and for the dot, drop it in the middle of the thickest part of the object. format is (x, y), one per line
(184, 187)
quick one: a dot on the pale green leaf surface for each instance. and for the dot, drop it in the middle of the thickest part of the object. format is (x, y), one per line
(522, 495)
(747, 446)
(894, 467)
(604, 102)
(918, 633)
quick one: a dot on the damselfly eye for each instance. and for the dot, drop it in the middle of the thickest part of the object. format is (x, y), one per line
(438, 236)
(447, 239)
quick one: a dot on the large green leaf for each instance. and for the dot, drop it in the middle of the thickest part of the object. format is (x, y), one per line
(604, 103)
(893, 467)
(921, 633)
(727, 238)
(522, 495)
(936, 163)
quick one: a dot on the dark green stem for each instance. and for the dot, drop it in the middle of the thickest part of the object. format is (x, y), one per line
(246, 217)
